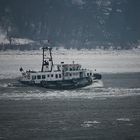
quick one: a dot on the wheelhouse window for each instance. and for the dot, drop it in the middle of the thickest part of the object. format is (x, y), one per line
(43, 76)
(38, 76)
(33, 77)
(51, 75)
(48, 75)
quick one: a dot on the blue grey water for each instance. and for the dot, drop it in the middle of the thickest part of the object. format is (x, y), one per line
(107, 110)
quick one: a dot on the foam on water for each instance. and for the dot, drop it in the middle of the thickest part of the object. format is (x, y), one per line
(90, 123)
(28, 93)
(4, 85)
(123, 119)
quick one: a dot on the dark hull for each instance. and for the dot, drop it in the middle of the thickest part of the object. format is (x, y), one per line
(63, 84)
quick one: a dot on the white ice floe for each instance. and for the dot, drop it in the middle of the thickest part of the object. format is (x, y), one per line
(123, 119)
(89, 123)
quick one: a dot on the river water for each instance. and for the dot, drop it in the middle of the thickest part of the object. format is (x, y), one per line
(107, 110)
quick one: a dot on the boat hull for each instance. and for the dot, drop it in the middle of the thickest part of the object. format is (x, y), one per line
(62, 84)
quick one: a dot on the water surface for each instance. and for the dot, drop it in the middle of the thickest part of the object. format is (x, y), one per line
(107, 110)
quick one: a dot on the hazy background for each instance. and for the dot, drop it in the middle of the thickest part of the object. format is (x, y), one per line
(70, 23)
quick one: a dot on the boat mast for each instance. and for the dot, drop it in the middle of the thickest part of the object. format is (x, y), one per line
(42, 60)
(47, 60)
(51, 59)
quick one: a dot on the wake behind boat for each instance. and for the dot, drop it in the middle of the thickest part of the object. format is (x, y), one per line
(58, 76)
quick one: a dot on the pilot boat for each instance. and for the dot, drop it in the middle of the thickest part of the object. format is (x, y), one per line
(58, 76)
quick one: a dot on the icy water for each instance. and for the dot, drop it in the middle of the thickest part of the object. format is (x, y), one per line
(107, 110)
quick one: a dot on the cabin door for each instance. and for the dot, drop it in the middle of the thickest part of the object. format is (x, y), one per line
(81, 74)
